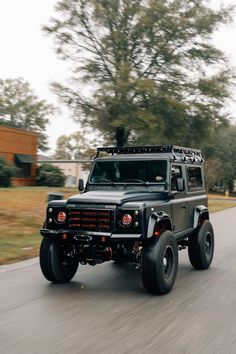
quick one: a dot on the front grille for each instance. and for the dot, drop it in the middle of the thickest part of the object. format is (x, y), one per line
(92, 220)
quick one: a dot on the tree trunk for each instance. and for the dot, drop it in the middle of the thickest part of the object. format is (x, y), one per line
(121, 135)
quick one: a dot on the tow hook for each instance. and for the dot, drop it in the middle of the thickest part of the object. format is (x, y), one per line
(180, 248)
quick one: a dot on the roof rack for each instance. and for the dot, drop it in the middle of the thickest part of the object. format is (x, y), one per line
(177, 152)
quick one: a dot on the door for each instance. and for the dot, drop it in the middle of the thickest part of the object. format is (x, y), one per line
(179, 205)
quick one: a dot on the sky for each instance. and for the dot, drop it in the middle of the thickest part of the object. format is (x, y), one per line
(25, 51)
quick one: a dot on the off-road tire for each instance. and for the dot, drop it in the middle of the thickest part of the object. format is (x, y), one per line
(55, 266)
(159, 263)
(201, 246)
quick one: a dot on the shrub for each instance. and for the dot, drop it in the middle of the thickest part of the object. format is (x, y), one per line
(6, 172)
(50, 176)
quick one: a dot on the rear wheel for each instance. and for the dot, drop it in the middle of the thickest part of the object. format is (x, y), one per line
(56, 261)
(160, 263)
(201, 246)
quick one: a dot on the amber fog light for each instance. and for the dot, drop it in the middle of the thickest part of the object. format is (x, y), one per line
(126, 219)
(61, 216)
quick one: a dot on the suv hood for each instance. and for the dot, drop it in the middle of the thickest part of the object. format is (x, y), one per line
(116, 198)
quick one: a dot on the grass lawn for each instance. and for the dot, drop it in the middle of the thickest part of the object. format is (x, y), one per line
(22, 212)
(219, 202)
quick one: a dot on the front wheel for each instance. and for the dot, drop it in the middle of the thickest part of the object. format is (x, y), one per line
(159, 263)
(56, 261)
(201, 246)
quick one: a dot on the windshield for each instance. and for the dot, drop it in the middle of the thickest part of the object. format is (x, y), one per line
(125, 171)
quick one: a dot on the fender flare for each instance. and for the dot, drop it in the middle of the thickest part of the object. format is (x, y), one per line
(200, 212)
(155, 219)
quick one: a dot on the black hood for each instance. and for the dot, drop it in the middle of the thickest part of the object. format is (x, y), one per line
(116, 198)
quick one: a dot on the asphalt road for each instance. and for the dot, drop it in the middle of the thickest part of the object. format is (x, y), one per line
(106, 310)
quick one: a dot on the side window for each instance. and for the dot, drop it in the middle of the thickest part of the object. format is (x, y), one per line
(194, 175)
(176, 172)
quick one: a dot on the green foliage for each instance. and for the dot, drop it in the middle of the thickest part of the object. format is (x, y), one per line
(219, 152)
(225, 150)
(64, 148)
(74, 147)
(20, 108)
(152, 72)
(49, 175)
(213, 173)
(6, 172)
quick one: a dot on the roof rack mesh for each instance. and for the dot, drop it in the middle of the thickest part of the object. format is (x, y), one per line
(178, 152)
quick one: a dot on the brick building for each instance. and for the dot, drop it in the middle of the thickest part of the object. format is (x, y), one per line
(20, 147)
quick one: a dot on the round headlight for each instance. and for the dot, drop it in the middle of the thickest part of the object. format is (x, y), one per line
(126, 219)
(61, 216)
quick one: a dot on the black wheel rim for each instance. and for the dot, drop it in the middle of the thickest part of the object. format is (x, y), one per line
(208, 243)
(168, 262)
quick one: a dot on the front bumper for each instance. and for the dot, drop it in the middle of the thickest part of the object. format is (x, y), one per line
(90, 236)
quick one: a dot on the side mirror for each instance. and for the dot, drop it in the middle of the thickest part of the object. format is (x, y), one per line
(81, 185)
(180, 185)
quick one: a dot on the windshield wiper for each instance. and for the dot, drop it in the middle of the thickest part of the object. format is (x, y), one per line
(106, 181)
(139, 181)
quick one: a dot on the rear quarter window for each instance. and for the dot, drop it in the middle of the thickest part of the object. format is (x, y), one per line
(194, 177)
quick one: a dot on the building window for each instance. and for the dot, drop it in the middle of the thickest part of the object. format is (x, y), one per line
(23, 164)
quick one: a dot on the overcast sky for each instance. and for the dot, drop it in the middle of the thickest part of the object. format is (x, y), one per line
(26, 52)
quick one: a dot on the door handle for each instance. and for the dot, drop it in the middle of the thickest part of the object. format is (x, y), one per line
(185, 206)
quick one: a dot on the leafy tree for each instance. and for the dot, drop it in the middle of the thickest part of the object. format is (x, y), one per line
(74, 147)
(219, 152)
(64, 148)
(49, 175)
(6, 172)
(143, 70)
(20, 108)
(213, 173)
(225, 150)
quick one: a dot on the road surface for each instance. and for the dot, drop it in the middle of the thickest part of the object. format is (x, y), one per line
(106, 310)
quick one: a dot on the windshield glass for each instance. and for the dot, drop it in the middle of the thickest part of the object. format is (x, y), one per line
(125, 171)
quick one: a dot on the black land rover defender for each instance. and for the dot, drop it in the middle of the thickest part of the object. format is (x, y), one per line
(140, 205)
